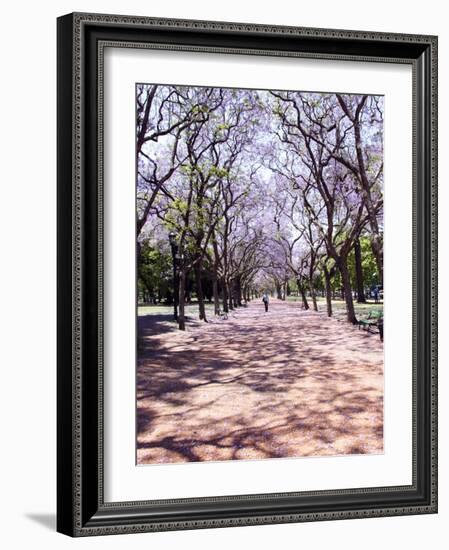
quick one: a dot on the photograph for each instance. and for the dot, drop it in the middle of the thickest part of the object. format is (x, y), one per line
(247, 278)
(259, 274)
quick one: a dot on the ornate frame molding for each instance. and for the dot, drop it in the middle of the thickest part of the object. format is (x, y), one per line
(81, 509)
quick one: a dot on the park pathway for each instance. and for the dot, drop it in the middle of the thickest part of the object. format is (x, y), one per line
(286, 383)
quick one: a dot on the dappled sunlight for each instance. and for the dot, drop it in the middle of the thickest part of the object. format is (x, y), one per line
(288, 383)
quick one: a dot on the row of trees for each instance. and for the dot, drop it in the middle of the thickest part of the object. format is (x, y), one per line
(257, 189)
(156, 283)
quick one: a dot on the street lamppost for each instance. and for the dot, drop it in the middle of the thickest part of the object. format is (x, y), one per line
(174, 251)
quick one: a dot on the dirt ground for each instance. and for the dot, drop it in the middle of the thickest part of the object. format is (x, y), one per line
(287, 383)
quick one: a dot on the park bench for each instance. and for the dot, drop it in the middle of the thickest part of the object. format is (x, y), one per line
(374, 320)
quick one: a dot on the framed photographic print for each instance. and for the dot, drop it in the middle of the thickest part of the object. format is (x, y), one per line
(246, 274)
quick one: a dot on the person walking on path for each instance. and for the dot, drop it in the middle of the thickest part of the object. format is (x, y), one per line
(265, 301)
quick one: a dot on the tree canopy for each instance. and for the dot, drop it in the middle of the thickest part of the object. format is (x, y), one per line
(262, 190)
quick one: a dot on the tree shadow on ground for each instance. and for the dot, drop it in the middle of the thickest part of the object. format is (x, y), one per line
(258, 387)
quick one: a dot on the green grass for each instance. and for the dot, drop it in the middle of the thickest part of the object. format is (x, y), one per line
(162, 309)
(339, 307)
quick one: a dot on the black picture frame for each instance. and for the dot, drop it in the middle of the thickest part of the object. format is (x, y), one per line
(81, 510)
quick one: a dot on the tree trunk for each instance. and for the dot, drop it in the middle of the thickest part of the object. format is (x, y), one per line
(199, 292)
(278, 291)
(327, 278)
(225, 295)
(233, 290)
(181, 300)
(303, 295)
(313, 295)
(215, 276)
(377, 248)
(215, 294)
(238, 291)
(346, 282)
(359, 272)
(230, 295)
(246, 294)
